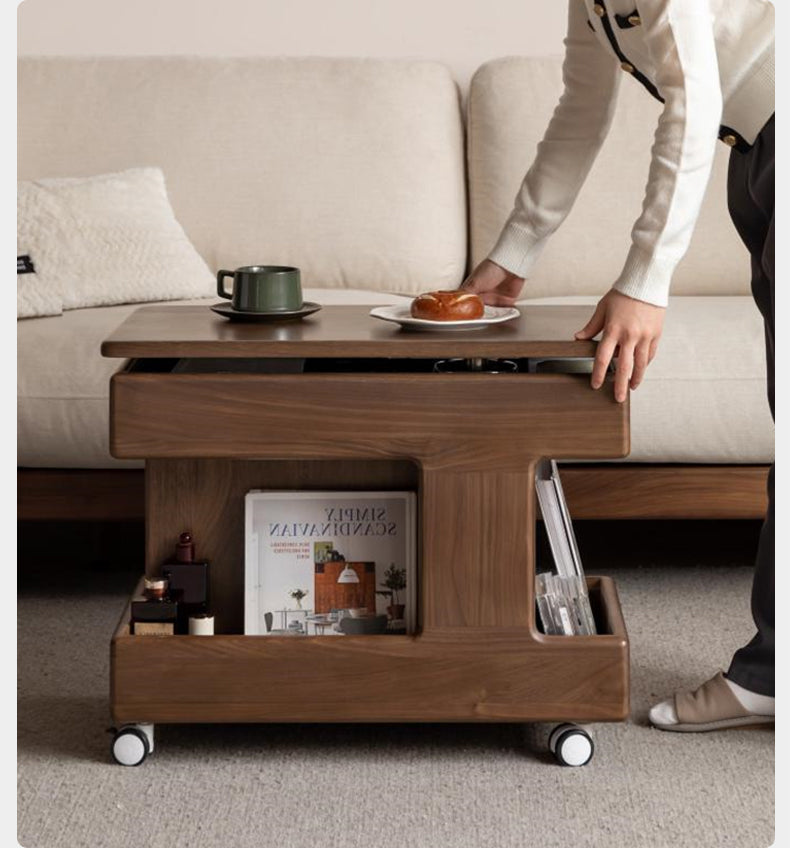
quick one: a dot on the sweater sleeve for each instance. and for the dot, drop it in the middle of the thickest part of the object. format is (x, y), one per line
(679, 36)
(570, 144)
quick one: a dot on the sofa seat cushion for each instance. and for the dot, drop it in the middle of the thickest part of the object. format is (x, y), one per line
(703, 399)
(63, 381)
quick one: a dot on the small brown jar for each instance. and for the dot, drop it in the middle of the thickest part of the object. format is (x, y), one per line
(155, 588)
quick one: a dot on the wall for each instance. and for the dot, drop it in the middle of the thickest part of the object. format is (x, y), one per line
(461, 33)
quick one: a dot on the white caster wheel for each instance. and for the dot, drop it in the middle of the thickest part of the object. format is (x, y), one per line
(571, 745)
(132, 744)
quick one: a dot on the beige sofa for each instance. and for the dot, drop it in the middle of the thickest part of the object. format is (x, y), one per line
(374, 179)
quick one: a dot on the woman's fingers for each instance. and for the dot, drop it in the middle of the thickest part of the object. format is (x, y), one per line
(494, 299)
(494, 285)
(603, 356)
(631, 330)
(472, 283)
(653, 350)
(485, 277)
(641, 361)
(625, 367)
(594, 325)
(632, 361)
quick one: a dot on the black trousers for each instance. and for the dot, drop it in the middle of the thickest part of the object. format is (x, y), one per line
(750, 197)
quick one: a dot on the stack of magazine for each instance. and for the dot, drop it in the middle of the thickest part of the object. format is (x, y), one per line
(562, 599)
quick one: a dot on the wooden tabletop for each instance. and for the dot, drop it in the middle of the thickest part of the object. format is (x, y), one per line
(165, 331)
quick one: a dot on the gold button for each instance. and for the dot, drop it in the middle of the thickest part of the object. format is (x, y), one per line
(730, 140)
(599, 10)
(627, 67)
(634, 20)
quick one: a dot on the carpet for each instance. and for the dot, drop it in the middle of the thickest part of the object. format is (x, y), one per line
(465, 786)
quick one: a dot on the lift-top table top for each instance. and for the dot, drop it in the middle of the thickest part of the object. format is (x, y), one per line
(164, 331)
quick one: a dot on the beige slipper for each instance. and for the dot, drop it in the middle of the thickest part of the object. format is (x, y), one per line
(712, 707)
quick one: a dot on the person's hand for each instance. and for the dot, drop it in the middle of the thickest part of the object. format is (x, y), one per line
(631, 330)
(494, 285)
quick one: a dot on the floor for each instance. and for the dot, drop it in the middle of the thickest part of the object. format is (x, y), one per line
(685, 595)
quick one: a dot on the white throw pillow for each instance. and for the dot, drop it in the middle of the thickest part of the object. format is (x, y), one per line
(104, 240)
(37, 237)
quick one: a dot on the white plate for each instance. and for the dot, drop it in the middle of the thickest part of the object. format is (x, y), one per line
(402, 315)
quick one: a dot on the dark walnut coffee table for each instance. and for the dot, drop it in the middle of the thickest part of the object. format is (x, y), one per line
(354, 404)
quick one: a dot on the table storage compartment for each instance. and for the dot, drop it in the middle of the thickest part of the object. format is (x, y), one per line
(458, 674)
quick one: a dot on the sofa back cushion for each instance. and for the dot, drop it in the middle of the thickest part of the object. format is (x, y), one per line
(352, 170)
(510, 103)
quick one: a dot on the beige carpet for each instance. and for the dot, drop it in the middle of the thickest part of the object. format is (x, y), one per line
(460, 786)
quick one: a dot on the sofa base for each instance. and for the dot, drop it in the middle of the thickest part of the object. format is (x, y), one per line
(647, 491)
(593, 491)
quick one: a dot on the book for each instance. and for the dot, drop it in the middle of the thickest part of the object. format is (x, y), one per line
(562, 599)
(330, 563)
(549, 497)
(152, 628)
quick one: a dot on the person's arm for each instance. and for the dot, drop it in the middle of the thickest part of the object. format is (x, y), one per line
(564, 157)
(568, 149)
(679, 35)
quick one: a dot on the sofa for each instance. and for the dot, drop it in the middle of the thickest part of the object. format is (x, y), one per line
(379, 181)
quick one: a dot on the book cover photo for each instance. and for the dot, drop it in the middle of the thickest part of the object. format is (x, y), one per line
(330, 563)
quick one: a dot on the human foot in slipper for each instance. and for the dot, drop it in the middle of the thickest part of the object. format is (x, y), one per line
(716, 705)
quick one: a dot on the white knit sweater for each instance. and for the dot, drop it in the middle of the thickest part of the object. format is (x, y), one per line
(712, 63)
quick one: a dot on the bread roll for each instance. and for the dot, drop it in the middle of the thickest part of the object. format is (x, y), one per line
(447, 306)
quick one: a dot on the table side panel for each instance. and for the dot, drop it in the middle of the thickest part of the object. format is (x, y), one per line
(167, 330)
(467, 421)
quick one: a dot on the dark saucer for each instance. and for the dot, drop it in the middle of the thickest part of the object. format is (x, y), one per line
(227, 311)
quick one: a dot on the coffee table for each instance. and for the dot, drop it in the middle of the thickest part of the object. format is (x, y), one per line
(340, 400)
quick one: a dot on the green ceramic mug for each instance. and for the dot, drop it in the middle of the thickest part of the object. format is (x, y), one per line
(263, 288)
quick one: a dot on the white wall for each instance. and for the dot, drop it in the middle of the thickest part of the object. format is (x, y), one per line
(461, 33)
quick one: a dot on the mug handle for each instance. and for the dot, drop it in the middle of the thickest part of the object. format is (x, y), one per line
(221, 284)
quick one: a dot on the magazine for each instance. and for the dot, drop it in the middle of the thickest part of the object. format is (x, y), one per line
(562, 599)
(330, 563)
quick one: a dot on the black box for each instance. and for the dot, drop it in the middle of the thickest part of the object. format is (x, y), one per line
(144, 610)
(187, 581)
(188, 585)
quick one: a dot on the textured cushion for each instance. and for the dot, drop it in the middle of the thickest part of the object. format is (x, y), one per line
(510, 104)
(353, 170)
(38, 236)
(113, 239)
(703, 399)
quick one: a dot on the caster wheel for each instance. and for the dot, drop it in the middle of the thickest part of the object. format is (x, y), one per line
(130, 746)
(571, 745)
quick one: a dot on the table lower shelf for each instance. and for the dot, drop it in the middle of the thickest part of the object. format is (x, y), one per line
(442, 675)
